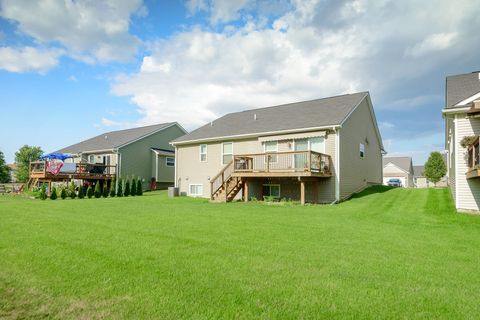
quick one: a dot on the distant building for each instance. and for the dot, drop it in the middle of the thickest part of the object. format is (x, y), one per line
(13, 172)
(398, 168)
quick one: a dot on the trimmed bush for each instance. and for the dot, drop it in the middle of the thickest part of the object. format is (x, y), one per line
(53, 194)
(105, 190)
(71, 191)
(133, 187)
(63, 193)
(112, 188)
(43, 192)
(139, 187)
(81, 193)
(120, 187)
(126, 193)
(98, 190)
(89, 192)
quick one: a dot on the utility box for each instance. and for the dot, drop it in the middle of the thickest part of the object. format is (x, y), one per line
(172, 192)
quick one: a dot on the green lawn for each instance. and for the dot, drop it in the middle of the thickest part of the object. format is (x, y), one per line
(393, 254)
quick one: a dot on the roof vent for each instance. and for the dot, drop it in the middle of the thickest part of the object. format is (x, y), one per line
(255, 116)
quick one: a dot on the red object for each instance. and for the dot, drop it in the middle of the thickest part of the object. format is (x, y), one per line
(54, 167)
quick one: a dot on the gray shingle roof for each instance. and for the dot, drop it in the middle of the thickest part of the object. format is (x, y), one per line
(113, 139)
(461, 87)
(299, 115)
(418, 171)
(404, 163)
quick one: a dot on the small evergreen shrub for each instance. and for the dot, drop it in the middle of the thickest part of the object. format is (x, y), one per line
(43, 193)
(105, 190)
(89, 192)
(98, 190)
(53, 194)
(72, 192)
(81, 193)
(126, 193)
(120, 187)
(133, 187)
(139, 187)
(63, 193)
(112, 188)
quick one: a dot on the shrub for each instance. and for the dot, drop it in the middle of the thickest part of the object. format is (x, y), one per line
(139, 187)
(72, 192)
(43, 193)
(81, 193)
(133, 187)
(120, 187)
(98, 190)
(89, 192)
(105, 190)
(63, 193)
(126, 193)
(112, 188)
(435, 167)
(53, 194)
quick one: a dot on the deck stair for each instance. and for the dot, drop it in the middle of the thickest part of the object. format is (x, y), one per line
(224, 186)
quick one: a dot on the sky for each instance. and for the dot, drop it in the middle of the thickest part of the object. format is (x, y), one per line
(70, 70)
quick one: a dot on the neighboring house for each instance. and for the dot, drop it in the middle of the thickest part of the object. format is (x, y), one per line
(462, 120)
(141, 152)
(398, 168)
(419, 179)
(13, 172)
(318, 151)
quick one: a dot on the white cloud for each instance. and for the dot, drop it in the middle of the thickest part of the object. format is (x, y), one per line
(198, 74)
(386, 125)
(28, 59)
(434, 42)
(221, 11)
(91, 31)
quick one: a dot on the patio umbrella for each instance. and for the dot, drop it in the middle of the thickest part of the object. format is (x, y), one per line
(56, 155)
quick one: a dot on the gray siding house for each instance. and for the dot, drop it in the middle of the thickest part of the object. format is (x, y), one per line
(141, 152)
(398, 168)
(462, 128)
(317, 151)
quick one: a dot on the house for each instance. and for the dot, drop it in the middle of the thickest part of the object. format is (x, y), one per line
(462, 128)
(318, 151)
(398, 168)
(141, 152)
(419, 179)
(13, 172)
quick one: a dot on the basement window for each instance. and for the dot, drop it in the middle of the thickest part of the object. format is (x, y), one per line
(271, 190)
(196, 190)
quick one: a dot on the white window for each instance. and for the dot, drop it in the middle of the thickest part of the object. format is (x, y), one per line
(227, 152)
(203, 153)
(271, 190)
(362, 150)
(271, 147)
(91, 158)
(170, 162)
(196, 190)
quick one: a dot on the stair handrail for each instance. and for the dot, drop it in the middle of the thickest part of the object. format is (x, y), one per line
(219, 180)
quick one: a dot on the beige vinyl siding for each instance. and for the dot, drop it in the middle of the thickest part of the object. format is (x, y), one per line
(451, 155)
(355, 172)
(190, 170)
(467, 190)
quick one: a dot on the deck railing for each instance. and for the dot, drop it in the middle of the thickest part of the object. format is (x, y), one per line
(473, 155)
(292, 161)
(220, 179)
(40, 169)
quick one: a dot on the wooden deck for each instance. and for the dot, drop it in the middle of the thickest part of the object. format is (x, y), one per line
(473, 171)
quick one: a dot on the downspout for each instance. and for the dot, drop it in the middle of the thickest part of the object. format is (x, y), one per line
(119, 165)
(175, 183)
(337, 165)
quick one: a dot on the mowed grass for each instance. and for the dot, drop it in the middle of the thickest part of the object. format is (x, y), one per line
(385, 254)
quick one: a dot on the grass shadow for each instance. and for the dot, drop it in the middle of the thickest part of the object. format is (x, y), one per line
(371, 190)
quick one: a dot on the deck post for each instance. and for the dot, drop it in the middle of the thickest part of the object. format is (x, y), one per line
(245, 190)
(302, 192)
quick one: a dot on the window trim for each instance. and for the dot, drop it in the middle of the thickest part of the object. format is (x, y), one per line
(275, 185)
(166, 162)
(225, 154)
(200, 152)
(361, 153)
(195, 194)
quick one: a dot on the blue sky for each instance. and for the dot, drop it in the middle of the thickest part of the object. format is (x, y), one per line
(73, 69)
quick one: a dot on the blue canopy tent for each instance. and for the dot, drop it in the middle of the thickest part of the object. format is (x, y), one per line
(56, 155)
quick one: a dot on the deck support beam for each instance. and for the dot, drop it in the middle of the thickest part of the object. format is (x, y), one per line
(245, 190)
(302, 192)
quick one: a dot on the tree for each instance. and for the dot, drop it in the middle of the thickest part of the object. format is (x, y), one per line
(71, 190)
(435, 167)
(53, 194)
(43, 192)
(63, 193)
(81, 193)
(139, 187)
(89, 191)
(105, 190)
(98, 190)
(23, 157)
(120, 187)
(133, 187)
(112, 188)
(4, 169)
(126, 193)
